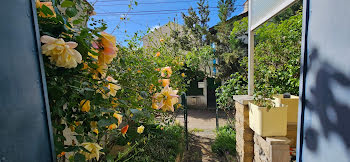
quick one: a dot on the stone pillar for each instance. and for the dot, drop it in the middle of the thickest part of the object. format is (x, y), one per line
(271, 149)
(244, 135)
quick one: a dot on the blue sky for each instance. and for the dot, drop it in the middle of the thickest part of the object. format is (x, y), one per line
(148, 14)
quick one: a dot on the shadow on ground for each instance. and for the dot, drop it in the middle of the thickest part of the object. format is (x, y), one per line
(199, 150)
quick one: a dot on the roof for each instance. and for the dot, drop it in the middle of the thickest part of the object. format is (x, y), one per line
(212, 30)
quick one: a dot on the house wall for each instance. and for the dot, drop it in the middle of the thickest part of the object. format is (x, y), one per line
(153, 39)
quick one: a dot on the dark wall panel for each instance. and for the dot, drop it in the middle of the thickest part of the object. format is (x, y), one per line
(24, 120)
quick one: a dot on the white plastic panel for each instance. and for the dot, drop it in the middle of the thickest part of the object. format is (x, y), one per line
(263, 10)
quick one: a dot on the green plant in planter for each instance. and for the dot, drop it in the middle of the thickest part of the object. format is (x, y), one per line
(263, 97)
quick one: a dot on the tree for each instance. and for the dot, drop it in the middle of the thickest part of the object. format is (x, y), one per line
(196, 24)
(226, 8)
(203, 10)
(227, 59)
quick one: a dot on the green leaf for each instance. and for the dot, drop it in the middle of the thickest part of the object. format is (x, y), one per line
(72, 148)
(106, 110)
(80, 138)
(110, 158)
(79, 129)
(79, 157)
(135, 111)
(144, 94)
(75, 22)
(67, 3)
(104, 122)
(46, 10)
(94, 66)
(71, 11)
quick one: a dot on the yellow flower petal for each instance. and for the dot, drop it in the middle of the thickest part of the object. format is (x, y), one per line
(95, 130)
(166, 70)
(166, 99)
(61, 53)
(140, 129)
(85, 105)
(112, 126)
(165, 82)
(94, 150)
(119, 117)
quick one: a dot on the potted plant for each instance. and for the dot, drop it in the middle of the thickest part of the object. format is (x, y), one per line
(292, 102)
(267, 117)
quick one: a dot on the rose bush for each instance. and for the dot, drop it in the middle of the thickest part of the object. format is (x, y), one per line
(99, 90)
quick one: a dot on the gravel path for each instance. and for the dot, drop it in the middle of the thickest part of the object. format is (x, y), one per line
(201, 125)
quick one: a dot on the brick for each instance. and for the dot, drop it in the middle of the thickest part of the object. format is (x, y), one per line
(280, 153)
(263, 144)
(246, 135)
(242, 120)
(242, 109)
(247, 147)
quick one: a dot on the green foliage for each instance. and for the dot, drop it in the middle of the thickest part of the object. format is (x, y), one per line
(239, 29)
(237, 85)
(288, 12)
(134, 69)
(200, 58)
(277, 55)
(230, 48)
(226, 8)
(225, 141)
(161, 144)
(196, 26)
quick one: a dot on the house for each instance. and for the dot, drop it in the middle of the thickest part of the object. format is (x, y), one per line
(154, 38)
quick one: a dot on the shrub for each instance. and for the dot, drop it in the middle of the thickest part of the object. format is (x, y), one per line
(99, 90)
(225, 141)
(163, 143)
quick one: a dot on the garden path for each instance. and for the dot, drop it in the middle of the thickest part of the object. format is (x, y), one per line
(201, 127)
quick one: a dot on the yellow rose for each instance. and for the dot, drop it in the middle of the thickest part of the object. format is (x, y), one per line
(113, 88)
(183, 74)
(166, 99)
(94, 150)
(112, 126)
(140, 129)
(167, 70)
(109, 52)
(85, 105)
(60, 53)
(39, 4)
(165, 82)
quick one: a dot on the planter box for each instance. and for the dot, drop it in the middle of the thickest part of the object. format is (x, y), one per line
(292, 103)
(272, 122)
